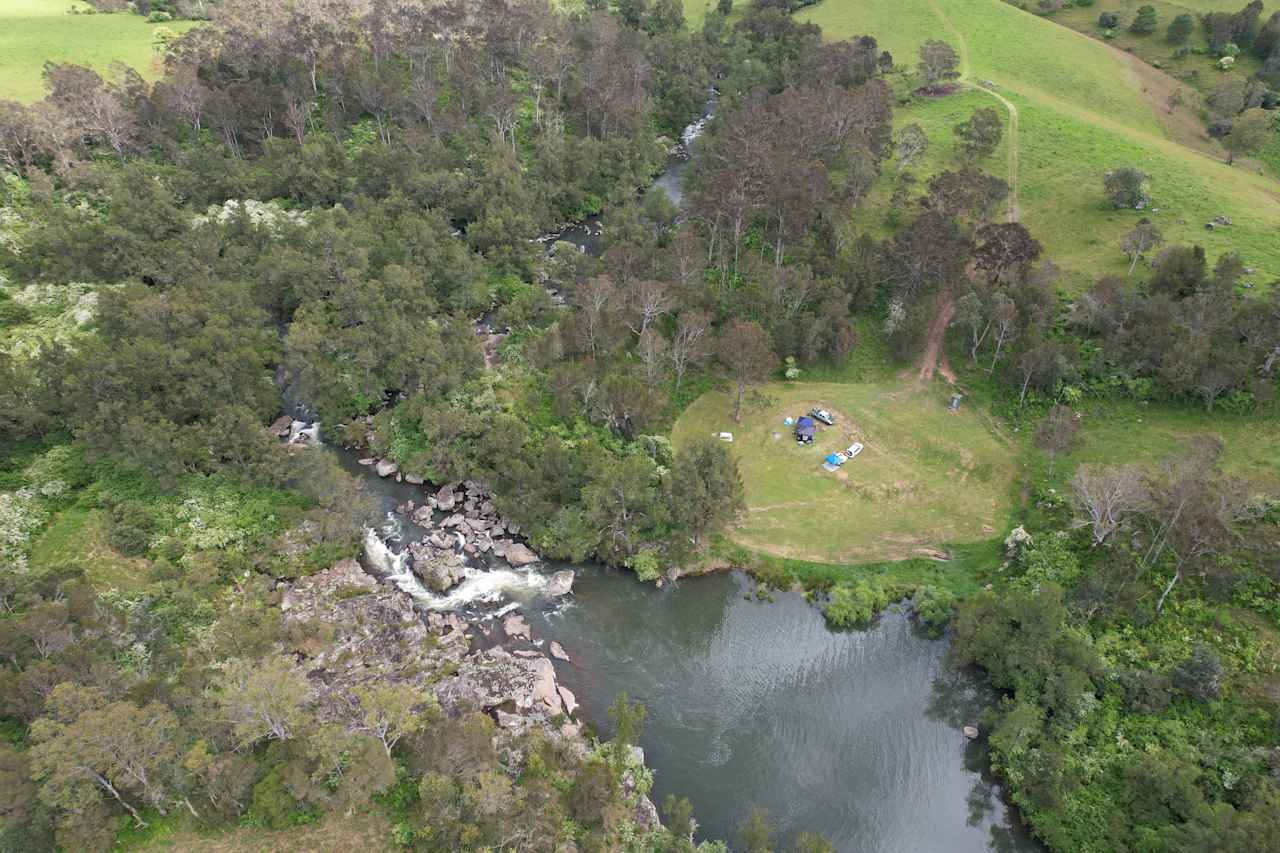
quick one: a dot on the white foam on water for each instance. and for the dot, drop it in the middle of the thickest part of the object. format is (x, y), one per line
(479, 586)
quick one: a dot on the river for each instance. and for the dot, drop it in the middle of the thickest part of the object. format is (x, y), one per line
(856, 735)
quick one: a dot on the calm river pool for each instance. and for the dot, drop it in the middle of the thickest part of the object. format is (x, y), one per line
(855, 735)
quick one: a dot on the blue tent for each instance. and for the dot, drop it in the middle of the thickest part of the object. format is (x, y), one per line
(805, 428)
(835, 459)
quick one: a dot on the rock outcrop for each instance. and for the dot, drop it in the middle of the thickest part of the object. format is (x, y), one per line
(561, 583)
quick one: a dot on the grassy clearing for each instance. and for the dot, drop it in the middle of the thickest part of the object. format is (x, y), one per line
(367, 830)
(81, 537)
(33, 32)
(1146, 434)
(1083, 110)
(926, 479)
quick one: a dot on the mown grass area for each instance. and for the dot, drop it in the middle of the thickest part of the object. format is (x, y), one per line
(82, 537)
(927, 479)
(33, 32)
(1082, 111)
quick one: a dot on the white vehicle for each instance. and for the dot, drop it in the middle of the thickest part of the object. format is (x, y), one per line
(854, 450)
(823, 415)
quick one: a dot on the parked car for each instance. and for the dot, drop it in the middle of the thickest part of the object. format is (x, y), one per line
(824, 416)
(854, 449)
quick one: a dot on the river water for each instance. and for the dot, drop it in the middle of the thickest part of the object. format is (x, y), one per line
(854, 735)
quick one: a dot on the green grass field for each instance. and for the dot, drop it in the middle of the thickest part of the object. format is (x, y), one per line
(33, 32)
(81, 537)
(927, 479)
(1148, 434)
(1083, 110)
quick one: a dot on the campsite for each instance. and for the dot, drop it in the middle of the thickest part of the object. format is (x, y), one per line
(926, 478)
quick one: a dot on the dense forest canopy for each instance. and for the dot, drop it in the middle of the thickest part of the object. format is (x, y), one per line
(355, 200)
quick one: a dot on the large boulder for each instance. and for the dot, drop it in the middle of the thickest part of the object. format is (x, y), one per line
(545, 689)
(281, 426)
(566, 696)
(557, 651)
(446, 499)
(516, 628)
(519, 555)
(439, 570)
(386, 468)
(561, 583)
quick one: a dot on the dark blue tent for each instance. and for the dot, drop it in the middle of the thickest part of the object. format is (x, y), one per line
(805, 429)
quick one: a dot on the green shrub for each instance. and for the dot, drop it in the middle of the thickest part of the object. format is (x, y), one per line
(273, 806)
(853, 604)
(934, 607)
(12, 313)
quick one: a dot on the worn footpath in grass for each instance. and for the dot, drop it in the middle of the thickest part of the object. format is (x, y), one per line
(33, 32)
(926, 479)
(1082, 111)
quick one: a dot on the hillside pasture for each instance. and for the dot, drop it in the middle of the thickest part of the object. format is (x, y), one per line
(925, 480)
(33, 32)
(1083, 110)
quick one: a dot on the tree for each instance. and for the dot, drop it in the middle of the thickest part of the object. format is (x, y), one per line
(1004, 322)
(972, 313)
(746, 353)
(1250, 131)
(981, 133)
(1200, 675)
(115, 748)
(724, 7)
(1180, 29)
(808, 842)
(262, 699)
(1126, 187)
(628, 725)
(1142, 239)
(755, 835)
(387, 712)
(689, 344)
(911, 144)
(1006, 251)
(1144, 23)
(1105, 495)
(1057, 432)
(939, 63)
(706, 488)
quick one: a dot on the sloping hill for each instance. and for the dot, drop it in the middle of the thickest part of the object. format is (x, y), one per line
(33, 32)
(1083, 110)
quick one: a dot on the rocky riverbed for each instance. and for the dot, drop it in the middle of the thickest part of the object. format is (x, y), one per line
(375, 633)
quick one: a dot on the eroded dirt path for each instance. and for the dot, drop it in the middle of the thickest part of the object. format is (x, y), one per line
(935, 359)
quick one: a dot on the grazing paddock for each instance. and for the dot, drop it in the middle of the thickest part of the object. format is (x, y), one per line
(33, 32)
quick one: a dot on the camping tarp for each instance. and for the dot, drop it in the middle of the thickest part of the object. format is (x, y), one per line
(835, 459)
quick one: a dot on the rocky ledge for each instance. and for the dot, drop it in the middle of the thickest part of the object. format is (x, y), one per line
(355, 631)
(375, 633)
